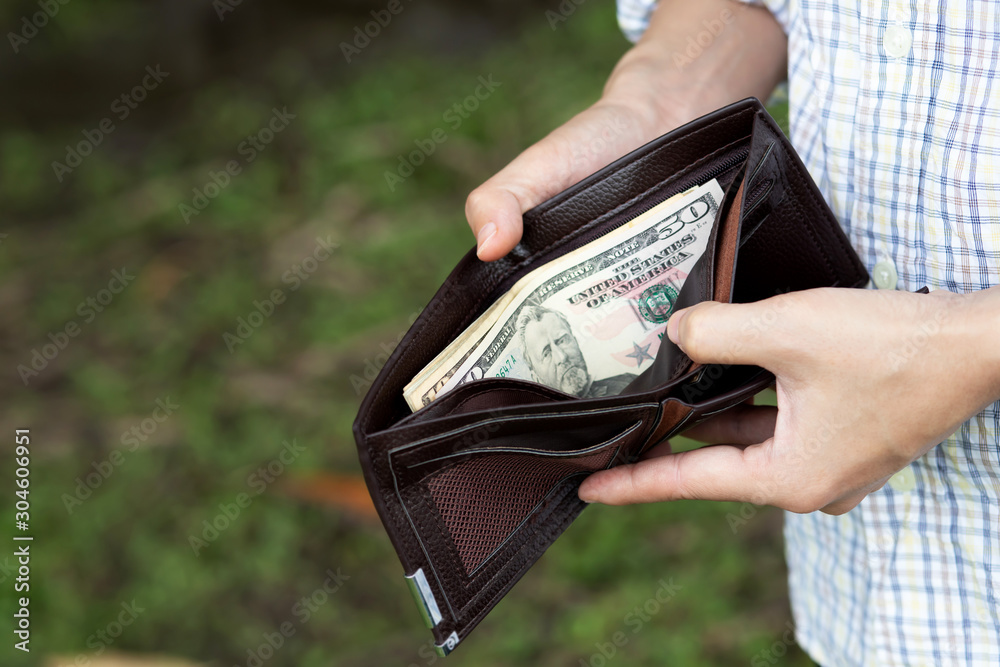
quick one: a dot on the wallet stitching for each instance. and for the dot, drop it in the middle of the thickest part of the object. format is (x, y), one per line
(761, 198)
(477, 395)
(490, 602)
(421, 432)
(763, 159)
(840, 238)
(628, 409)
(535, 532)
(816, 242)
(544, 453)
(796, 168)
(486, 604)
(552, 491)
(425, 548)
(755, 228)
(431, 561)
(677, 427)
(420, 541)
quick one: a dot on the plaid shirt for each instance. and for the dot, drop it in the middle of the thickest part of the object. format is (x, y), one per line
(895, 110)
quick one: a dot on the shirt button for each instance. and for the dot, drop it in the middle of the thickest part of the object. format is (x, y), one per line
(904, 480)
(884, 274)
(896, 40)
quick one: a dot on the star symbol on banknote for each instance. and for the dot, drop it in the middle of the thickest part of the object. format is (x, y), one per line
(640, 353)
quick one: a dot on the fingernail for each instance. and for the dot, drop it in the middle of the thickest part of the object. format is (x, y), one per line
(486, 232)
(674, 326)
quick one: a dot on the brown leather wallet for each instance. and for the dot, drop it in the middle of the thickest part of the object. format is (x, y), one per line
(475, 486)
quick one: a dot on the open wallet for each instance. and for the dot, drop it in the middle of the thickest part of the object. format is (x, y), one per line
(475, 486)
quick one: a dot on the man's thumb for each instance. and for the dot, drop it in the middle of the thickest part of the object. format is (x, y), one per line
(494, 214)
(725, 333)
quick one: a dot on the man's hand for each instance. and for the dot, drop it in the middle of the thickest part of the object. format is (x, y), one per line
(867, 382)
(655, 87)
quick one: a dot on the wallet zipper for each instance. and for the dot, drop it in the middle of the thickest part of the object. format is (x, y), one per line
(686, 184)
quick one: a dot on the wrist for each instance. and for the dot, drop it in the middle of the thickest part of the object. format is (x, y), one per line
(640, 83)
(984, 322)
(973, 321)
(676, 73)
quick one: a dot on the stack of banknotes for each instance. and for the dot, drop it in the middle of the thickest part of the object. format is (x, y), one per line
(591, 321)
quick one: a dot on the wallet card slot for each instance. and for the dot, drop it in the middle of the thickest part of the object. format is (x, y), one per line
(500, 396)
(554, 432)
(488, 394)
(535, 451)
(756, 196)
(476, 504)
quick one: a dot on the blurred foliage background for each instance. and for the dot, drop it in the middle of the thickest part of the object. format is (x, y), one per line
(122, 491)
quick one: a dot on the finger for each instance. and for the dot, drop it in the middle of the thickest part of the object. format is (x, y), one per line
(719, 472)
(494, 214)
(757, 333)
(587, 142)
(659, 449)
(740, 425)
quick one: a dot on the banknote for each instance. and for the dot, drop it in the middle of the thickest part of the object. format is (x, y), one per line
(590, 321)
(424, 387)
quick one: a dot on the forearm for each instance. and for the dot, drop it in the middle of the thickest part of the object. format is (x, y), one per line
(979, 334)
(680, 70)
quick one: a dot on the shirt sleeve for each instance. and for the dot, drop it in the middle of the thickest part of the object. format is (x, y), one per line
(633, 15)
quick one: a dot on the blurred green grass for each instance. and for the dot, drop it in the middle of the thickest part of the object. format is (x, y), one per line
(300, 375)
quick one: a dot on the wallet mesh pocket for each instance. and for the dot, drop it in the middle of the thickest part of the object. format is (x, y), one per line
(484, 500)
